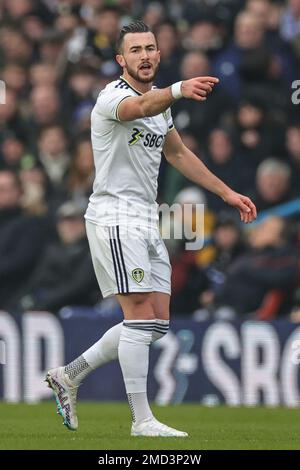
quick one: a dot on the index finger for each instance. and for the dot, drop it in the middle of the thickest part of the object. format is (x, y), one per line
(208, 79)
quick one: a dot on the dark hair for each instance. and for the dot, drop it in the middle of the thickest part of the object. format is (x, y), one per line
(136, 27)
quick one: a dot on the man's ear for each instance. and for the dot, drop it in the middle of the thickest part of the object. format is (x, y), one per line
(120, 60)
(159, 56)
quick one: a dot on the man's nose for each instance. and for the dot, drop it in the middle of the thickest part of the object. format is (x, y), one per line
(144, 54)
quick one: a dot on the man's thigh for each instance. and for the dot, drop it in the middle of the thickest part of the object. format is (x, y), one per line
(161, 305)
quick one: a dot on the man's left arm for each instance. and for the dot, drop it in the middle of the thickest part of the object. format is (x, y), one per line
(185, 161)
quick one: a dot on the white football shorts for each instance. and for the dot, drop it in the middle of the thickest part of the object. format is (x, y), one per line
(134, 259)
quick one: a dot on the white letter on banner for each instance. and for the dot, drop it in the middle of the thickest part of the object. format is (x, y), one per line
(222, 335)
(289, 371)
(10, 335)
(163, 368)
(39, 326)
(260, 373)
(296, 94)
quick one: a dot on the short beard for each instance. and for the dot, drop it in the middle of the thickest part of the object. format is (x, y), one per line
(136, 76)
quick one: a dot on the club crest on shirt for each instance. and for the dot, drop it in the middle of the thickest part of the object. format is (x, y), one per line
(138, 274)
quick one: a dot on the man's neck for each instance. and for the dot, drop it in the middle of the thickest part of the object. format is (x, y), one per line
(136, 85)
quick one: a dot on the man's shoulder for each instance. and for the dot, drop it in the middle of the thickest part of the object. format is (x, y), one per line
(109, 98)
(115, 86)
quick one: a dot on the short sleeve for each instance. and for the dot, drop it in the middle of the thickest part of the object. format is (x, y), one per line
(169, 119)
(108, 102)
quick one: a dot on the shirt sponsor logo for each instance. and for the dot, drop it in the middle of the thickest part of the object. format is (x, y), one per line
(149, 140)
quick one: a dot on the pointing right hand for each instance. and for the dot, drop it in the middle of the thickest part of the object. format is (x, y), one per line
(198, 88)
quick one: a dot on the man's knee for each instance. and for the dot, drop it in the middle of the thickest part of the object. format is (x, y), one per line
(137, 306)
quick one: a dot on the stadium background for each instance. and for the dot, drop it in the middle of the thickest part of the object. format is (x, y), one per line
(236, 302)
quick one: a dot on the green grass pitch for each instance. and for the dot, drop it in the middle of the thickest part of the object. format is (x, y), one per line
(106, 426)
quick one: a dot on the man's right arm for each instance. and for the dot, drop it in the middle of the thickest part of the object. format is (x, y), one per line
(157, 101)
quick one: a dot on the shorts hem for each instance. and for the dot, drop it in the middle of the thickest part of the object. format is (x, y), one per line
(110, 293)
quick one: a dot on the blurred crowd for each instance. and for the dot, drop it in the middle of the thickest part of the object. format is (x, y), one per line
(55, 57)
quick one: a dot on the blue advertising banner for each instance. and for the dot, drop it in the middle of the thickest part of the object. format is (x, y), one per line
(237, 363)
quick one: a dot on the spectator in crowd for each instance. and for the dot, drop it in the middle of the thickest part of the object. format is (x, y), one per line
(10, 117)
(249, 60)
(45, 110)
(222, 160)
(269, 13)
(35, 188)
(227, 244)
(15, 75)
(51, 46)
(204, 36)
(192, 222)
(191, 117)
(22, 239)
(200, 274)
(262, 9)
(43, 74)
(168, 44)
(271, 264)
(174, 181)
(12, 151)
(45, 105)
(290, 21)
(272, 184)
(67, 23)
(190, 218)
(16, 47)
(255, 135)
(104, 32)
(81, 176)
(54, 157)
(293, 153)
(154, 14)
(78, 94)
(34, 24)
(16, 9)
(64, 275)
(56, 56)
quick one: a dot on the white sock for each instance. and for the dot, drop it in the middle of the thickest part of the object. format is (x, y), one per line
(139, 406)
(77, 370)
(105, 350)
(135, 339)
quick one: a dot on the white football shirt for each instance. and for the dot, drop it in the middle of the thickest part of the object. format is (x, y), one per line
(127, 157)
